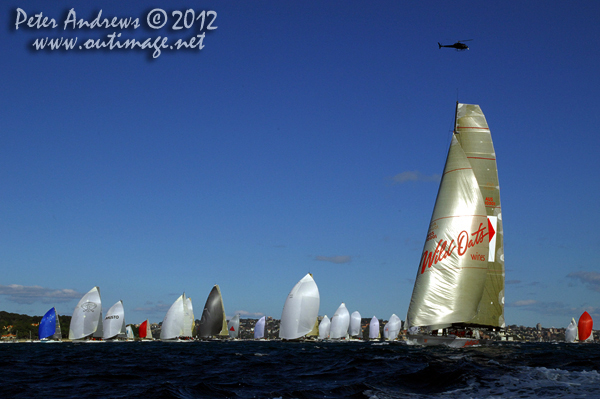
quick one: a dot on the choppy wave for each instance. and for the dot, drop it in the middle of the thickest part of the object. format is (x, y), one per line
(297, 370)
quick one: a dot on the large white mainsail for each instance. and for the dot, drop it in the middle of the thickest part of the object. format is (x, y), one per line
(340, 323)
(114, 322)
(172, 325)
(234, 326)
(355, 327)
(300, 310)
(453, 268)
(87, 316)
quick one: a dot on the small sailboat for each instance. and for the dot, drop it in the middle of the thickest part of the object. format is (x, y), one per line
(584, 327)
(324, 328)
(571, 332)
(145, 331)
(355, 330)
(233, 327)
(129, 333)
(176, 325)
(460, 279)
(392, 328)
(340, 323)
(86, 322)
(259, 328)
(300, 310)
(114, 322)
(374, 332)
(213, 322)
(49, 328)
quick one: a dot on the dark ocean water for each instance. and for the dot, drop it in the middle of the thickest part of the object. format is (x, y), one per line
(247, 369)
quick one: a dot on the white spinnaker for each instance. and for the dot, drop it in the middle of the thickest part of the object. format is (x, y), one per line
(393, 327)
(355, 324)
(87, 316)
(114, 321)
(259, 328)
(300, 310)
(172, 326)
(374, 328)
(571, 332)
(340, 323)
(324, 327)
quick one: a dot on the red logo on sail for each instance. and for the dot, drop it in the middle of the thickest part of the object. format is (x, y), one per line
(443, 249)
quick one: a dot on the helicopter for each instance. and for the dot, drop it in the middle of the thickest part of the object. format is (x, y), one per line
(459, 45)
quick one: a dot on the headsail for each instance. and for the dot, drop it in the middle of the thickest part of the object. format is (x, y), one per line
(300, 310)
(453, 266)
(87, 316)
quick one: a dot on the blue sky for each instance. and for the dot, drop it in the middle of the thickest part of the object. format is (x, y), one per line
(304, 137)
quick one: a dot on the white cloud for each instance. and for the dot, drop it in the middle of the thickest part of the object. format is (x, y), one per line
(414, 176)
(334, 259)
(590, 279)
(29, 294)
(245, 313)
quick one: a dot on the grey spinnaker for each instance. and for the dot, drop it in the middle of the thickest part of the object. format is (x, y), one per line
(213, 322)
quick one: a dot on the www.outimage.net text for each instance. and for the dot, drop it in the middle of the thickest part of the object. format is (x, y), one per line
(198, 22)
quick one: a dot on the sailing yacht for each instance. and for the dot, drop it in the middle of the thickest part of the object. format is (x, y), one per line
(213, 323)
(460, 277)
(49, 328)
(300, 310)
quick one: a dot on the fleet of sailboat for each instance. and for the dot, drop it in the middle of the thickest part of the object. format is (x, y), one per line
(458, 290)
